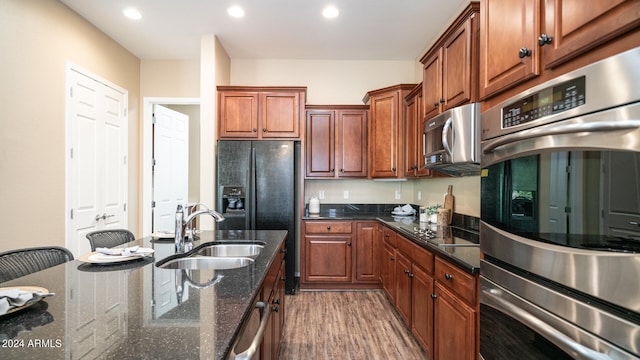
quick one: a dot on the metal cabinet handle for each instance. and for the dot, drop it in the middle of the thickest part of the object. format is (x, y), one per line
(544, 39)
(349, 244)
(435, 104)
(406, 271)
(255, 343)
(448, 276)
(276, 308)
(411, 275)
(433, 296)
(634, 223)
(392, 258)
(255, 130)
(393, 169)
(329, 228)
(264, 129)
(524, 52)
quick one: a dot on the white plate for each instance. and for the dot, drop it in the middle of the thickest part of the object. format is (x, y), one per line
(31, 289)
(402, 213)
(97, 258)
(164, 234)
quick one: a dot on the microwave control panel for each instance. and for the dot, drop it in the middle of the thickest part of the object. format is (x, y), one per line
(548, 101)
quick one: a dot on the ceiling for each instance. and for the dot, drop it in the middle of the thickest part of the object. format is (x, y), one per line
(274, 29)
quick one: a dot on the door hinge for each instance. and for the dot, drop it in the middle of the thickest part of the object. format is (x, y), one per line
(71, 91)
(71, 153)
(124, 160)
(153, 204)
(153, 119)
(125, 111)
(568, 169)
(71, 214)
(567, 209)
(153, 162)
(124, 207)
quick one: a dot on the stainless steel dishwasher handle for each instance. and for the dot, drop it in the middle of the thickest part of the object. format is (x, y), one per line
(255, 344)
(558, 338)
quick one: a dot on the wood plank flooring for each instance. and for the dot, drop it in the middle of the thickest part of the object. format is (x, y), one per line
(349, 325)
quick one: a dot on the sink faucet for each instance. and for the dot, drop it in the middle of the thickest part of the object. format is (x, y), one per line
(182, 222)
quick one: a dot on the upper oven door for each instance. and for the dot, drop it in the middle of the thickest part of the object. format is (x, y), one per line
(566, 196)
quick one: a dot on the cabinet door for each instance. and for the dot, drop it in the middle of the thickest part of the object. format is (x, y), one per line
(411, 138)
(576, 27)
(501, 41)
(454, 327)
(432, 85)
(422, 308)
(387, 271)
(456, 66)
(328, 258)
(320, 144)
(403, 287)
(351, 143)
(384, 135)
(238, 114)
(367, 253)
(280, 114)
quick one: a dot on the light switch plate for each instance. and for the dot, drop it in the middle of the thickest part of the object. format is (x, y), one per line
(397, 194)
(346, 194)
(321, 194)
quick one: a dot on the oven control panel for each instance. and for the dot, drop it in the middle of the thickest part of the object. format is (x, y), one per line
(548, 101)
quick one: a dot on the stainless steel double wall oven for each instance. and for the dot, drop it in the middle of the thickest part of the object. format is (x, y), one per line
(560, 211)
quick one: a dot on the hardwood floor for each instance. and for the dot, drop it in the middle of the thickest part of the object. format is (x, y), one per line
(345, 325)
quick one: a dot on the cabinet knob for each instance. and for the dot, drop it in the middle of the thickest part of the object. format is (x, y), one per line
(435, 104)
(411, 275)
(264, 129)
(328, 228)
(341, 170)
(448, 276)
(434, 296)
(276, 308)
(524, 52)
(392, 258)
(544, 39)
(276, 301)
(255, 130)
(406, 271)
(349, 244)
(441, 100)
(333, 170)
(284, 278)
(393, 169)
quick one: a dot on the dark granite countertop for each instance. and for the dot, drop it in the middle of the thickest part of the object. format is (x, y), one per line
(131, 311)
(466, 227)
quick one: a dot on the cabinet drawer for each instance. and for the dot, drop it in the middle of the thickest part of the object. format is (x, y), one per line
(327, 227)
(389, 237)
(460, 282)
(418, 255)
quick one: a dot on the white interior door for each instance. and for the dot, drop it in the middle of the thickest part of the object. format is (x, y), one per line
(97, 158)
(171, 165)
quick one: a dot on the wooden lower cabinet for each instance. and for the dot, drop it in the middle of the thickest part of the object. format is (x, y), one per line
(273, 293)
(454, 327)
(435, 299)
(334, 256)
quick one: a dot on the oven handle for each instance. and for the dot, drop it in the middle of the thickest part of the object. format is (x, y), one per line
(257, 339)
(558, 338)
(491, 146)
(445, 135)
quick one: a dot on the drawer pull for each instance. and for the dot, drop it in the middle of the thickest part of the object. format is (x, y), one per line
(448, 276)
(406, 271)
(433, 296)
(411, 275)
(328, 228)
(392, 258)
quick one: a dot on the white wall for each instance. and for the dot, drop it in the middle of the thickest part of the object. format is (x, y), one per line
(327, 81)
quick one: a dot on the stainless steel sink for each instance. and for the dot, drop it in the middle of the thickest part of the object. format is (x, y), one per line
(233, 250)
(207, 262)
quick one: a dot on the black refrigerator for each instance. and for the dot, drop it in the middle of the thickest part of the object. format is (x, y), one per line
(257, 188)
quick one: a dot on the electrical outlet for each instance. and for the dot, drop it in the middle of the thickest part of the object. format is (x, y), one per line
(397, 194)
(321, 194)
(419, 195)
(346, 194)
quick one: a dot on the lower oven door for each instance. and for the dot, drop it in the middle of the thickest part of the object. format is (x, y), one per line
(512, 327)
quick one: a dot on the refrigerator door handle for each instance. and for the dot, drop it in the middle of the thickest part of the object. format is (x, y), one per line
(251, 194)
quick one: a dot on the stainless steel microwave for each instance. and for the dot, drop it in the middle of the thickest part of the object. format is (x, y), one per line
(452, 141)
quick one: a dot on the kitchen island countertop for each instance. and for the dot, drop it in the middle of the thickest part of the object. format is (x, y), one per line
(132, 311)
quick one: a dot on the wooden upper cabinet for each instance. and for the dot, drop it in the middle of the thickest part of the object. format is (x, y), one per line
(336, 141)
(386, 131)
(260, 112)
(450, 71)
(575, 27)
(238, 114)
(414, 139)
(548, 33)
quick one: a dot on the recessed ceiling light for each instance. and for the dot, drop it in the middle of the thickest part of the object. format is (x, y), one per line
(132, 13)
(330, 12)
(235, 11)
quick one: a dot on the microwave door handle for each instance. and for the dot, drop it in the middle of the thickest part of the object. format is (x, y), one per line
(491, 146)
(492, 297)
(445, 136)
